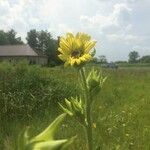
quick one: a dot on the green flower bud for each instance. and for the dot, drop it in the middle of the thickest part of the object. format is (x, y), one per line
(74, 107)
(95, 82)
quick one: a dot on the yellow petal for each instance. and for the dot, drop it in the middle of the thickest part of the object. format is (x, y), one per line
(69, 35)
(83, 37)
(87, 56)
(78, 43)
(72, 61)
(89, 46)
(60, 50)
(78, 61)
(64, 46)
(82, 59)
(63, 57)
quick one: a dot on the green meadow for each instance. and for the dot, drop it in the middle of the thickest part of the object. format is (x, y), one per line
(29, 97)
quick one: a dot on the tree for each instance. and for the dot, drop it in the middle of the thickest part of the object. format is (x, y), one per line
(145, 59)
(13, 40)
(94, 60)
(9, 38)
(43, 42)
(32, 39)
(3, 38)
(102, 59)
(133, 57)
(39, 40)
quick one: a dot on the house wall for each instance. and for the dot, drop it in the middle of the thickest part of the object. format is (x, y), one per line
(31, 59)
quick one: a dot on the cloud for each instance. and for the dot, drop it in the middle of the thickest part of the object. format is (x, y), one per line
(127, 39)
(118, 19)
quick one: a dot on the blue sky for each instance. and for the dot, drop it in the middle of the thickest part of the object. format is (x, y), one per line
(119, 26)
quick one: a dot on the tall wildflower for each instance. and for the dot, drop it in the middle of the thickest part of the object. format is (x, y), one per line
(76, 50)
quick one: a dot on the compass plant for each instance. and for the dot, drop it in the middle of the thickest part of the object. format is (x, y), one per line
(76, 51)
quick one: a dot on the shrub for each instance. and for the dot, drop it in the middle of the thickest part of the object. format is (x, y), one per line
(25, 91)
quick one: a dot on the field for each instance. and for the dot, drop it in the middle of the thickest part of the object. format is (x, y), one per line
(29, 96)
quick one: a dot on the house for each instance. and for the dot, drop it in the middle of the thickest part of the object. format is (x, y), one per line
(15, 53)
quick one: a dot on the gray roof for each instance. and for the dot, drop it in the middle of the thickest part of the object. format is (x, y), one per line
(17, 50)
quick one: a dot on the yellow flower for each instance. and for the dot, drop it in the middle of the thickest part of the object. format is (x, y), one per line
(75, 49)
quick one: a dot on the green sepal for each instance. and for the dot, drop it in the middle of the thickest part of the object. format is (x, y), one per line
(94, 82)
(66, 110)
(48, 133)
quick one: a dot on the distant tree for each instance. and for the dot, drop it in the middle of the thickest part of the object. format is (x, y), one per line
(133, 57)
(43, 42)
(32, 39)
(9, 38)
(52, 52)
(102, 59)
(95, 60)
(13, 40)
(145, 59)
(3, 38)
(121, 62)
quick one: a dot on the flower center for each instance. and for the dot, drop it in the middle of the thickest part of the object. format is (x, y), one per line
(76, 54)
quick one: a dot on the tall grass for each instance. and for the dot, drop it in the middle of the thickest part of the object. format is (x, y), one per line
(29, 96)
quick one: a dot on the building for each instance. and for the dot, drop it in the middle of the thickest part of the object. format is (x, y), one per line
(14, 53)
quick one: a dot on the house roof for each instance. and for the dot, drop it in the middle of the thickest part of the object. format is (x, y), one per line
(17, 50)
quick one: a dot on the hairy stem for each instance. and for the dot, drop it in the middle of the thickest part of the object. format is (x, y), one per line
(87, 110)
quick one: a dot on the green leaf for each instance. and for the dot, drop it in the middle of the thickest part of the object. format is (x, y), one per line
(68, 143)
(50, 145)
(66, 110)
(68, 103)
(48, 133)
(54, 144)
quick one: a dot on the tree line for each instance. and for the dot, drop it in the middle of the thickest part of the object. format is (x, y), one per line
(41, 41)
(133, 57)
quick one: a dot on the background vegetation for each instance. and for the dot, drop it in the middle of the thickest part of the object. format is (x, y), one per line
(29, 96)
(41, 41)
(44, 44)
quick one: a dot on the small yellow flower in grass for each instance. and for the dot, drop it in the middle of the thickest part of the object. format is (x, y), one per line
(75, 49)
(94, 125)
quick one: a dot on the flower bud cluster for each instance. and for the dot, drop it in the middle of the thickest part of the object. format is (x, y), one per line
(75, 107)
(94, 82)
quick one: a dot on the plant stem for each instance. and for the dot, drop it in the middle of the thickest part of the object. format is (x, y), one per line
(87, 110)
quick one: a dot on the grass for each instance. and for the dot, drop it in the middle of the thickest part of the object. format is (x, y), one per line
(120, 113)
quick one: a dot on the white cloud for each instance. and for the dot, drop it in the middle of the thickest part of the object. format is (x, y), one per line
(4, 5)
(118, 19)
(127, 39)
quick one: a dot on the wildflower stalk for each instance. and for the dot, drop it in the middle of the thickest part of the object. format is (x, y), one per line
(75, 50)
(87, 96)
